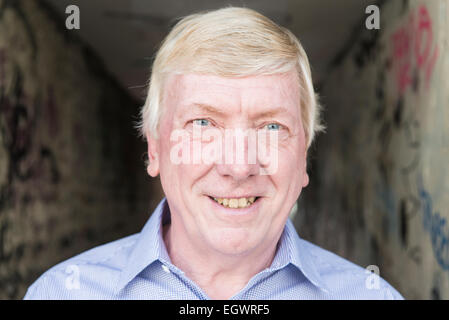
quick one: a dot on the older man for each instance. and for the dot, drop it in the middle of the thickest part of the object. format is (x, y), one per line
(229, 117)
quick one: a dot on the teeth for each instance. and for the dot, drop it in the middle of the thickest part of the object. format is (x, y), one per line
(235, 203)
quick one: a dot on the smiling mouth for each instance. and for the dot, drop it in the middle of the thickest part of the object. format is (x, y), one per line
(235, 203)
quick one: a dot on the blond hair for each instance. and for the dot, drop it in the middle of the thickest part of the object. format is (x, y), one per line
(230, 42)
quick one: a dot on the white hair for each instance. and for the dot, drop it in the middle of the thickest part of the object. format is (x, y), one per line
(230, 42)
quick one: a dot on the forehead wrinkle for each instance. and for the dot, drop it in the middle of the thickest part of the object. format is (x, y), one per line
(287, 95)
(271, 112)
(179, 87)
(200, 91)
(208, 109)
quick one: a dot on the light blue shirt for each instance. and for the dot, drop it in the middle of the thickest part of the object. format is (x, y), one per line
(138, 267)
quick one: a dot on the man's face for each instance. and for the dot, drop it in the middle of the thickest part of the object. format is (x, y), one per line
(266, 104)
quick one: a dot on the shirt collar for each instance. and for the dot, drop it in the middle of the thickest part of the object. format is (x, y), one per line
(148, 248)
(295, 251)
(151, 247)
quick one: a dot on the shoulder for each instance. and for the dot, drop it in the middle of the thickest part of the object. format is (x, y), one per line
(89, 275)
(347, 280)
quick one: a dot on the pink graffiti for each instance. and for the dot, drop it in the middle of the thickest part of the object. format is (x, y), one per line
(422, 49)
(413, 45)
(401, 47)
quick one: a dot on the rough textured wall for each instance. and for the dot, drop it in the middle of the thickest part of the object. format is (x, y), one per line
(379, 191)
(71, 166)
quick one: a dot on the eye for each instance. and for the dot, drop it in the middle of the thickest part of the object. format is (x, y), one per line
(201, 122)
(273, 126)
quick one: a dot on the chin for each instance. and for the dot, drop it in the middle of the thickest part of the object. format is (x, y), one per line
(231, 241)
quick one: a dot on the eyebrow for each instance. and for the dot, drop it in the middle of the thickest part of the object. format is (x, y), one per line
(272, 113)
(264, 114)
(209, 109)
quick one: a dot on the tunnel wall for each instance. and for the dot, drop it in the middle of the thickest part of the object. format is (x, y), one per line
(72, 172)
(379, 190)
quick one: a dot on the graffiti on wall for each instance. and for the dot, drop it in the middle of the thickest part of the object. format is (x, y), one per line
(414, 45)
(51, 144)
(28, 160)
(411, 63)
(30, 172)
(435, 225)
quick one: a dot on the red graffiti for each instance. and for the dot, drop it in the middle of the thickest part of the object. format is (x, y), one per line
(422, 49)
(413, 45)
(401, 47)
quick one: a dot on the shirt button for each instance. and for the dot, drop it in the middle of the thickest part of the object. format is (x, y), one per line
(165, 268)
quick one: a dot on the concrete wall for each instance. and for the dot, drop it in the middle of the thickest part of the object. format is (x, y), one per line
(379, 191)
(71, 166)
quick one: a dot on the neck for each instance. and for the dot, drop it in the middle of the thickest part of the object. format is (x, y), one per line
(220, 275)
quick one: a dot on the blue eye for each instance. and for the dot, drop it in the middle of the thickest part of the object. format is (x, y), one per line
(273, 126)
(201, 122)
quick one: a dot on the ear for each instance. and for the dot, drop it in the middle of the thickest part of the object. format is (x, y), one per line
(305, 180)
(153, 156)
(305, 177)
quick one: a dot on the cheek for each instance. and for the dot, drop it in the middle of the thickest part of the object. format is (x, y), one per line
(177, 173)
(292, 167)
(293, 156)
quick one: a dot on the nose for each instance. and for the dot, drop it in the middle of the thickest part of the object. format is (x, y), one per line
(239, 160)
(238, 172)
